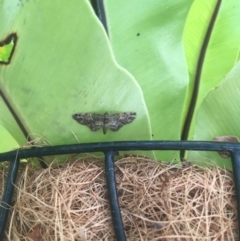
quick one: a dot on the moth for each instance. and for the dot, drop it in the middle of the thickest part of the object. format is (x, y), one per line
(106, 121)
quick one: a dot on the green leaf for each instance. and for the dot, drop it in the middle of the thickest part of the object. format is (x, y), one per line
(211, 41)
(147, 40)
(218, 115)
(9, 128)
(7, 142)
(6, 49)
(63, 64)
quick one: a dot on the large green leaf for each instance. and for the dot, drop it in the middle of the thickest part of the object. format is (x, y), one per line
(218, 115)
(147, 40)
(211, 41)
(9, 129)
(7, 142)
(62, 65)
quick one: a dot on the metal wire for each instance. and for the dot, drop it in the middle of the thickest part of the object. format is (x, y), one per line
(110, 149)
(8, 193)
(112, 195)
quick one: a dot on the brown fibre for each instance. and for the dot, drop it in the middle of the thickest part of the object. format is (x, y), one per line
(158, 202)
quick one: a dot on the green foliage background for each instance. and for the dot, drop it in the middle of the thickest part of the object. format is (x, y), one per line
(154, 56)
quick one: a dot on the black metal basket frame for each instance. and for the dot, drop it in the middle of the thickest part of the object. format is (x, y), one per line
(110, 149)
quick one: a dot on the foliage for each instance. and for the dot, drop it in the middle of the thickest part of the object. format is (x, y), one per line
(174, 55)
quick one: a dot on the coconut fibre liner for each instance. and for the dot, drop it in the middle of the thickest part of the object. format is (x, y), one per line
(157, 201)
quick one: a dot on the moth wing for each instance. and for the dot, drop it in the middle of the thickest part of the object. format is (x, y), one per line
(118, 120)
(93, 121)
(97, 122)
